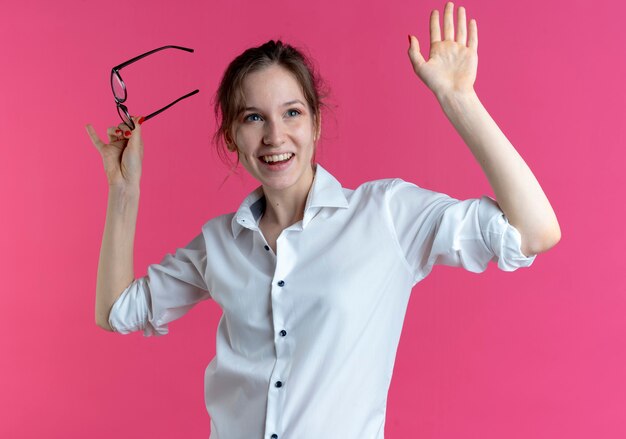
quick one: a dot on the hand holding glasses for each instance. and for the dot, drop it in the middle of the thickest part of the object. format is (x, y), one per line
(119, 88)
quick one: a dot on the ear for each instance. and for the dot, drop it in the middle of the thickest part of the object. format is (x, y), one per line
(318, 131)
(229, 143)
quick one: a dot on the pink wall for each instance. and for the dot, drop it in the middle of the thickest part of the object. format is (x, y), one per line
(538, 353)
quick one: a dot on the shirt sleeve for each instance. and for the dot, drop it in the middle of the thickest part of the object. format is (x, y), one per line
(434, 228)
(169, 290)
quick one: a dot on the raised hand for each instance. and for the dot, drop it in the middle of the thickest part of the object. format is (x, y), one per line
(122, 155)
(453, 62)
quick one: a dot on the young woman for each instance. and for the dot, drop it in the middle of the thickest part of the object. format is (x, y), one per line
(313, 278)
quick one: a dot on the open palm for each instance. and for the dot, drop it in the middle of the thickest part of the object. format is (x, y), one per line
(453, 62)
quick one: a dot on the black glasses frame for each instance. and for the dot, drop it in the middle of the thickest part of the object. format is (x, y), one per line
(122, 110)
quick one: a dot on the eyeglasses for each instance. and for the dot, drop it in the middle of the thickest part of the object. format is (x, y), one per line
(119, 88)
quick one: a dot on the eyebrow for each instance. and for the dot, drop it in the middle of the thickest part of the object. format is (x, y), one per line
(295, 101)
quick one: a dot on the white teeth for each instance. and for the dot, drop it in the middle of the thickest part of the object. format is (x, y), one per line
(277, 157)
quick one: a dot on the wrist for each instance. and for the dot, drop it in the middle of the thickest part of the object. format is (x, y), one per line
(455, 101)
(126, 191)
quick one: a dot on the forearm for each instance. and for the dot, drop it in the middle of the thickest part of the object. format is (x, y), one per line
(115, 268)
(517, 190)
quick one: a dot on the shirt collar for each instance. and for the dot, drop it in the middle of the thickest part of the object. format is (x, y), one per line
(325, 191)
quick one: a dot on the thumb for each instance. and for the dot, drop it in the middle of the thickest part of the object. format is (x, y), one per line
(137, 120)
(414, 53)
(135, 141)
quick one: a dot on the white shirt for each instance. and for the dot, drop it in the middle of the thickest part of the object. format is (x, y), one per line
(307, 341)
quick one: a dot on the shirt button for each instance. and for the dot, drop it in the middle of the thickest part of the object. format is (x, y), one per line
(281, 283)
(279, 384)
(283, 333)
(274, 436)
(266, 247)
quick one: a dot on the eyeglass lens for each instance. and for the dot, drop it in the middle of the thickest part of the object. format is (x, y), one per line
(123, 112)
(119, 91)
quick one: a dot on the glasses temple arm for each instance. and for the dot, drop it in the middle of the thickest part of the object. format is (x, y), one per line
(137, 58)
(151, 115)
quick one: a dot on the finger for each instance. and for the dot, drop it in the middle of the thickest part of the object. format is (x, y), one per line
(115, 134)
(137, 128)
(448, 22)
(473, 35)
(461, 27)
(414, 53)
(435, 30)
(137, 120)
(95, 139)
(124, 129)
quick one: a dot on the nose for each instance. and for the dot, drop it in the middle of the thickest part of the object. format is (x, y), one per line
(274, 134)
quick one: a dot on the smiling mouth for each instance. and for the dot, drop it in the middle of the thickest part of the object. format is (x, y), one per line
(276, 158)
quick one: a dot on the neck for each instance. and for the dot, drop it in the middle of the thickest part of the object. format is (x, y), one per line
(286, 207)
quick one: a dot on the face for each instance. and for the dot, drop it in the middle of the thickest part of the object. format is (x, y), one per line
(275, 135)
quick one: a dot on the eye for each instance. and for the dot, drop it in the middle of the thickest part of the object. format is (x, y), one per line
(249, 117)
(293, 110)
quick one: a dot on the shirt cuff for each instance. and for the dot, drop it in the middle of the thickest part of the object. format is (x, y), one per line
(502, 238)
(131, 311)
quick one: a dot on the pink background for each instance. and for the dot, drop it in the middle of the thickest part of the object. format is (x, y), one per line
(538, 353)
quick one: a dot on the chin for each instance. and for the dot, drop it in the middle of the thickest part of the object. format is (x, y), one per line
(285, 181)
(279, 183)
